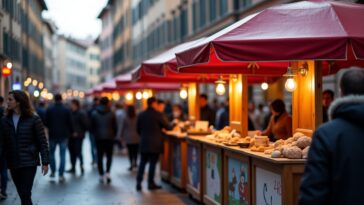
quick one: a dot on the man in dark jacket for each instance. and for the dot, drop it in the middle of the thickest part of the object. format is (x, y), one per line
(104, 127)
(149, 126)
(59, 122)
(206, 113)
(334, 169)
(80, 125)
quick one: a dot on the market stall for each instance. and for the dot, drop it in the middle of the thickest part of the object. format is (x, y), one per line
(314, 39)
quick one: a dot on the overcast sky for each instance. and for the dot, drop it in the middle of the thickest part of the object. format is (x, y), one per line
(77, 18)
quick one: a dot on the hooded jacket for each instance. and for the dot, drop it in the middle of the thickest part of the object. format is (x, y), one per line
(334, 172)
(103, 123)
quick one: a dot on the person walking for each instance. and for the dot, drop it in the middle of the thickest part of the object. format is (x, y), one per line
(60, 127)
(91, 134)
(41, 110)
(334, 169)
(149, 126)
(120, 116)
(130, 135)
(103, 123)
(22, 140)
(80, 124)
(3, 167)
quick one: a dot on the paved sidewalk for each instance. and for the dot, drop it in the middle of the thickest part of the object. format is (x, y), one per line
(86, 190)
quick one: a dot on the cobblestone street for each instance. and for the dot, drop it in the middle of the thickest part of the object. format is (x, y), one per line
(86, 190)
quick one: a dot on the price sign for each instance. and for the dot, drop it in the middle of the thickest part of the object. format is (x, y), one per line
(268, 187)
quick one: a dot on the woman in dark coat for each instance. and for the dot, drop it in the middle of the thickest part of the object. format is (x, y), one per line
(22, 140)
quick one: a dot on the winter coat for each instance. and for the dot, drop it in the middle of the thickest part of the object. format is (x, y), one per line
(21, 147)
(149, 126)
(129, 130)
(334, 169)
(103, 123)
(281, 129)
(80, 123)
(58, 119)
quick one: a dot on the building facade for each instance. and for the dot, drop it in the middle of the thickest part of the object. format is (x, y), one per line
(106, 43)
(71, 64)
(93, 65)
(21, 40)
(50, 54)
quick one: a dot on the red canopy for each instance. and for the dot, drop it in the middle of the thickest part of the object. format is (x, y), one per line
(163, 68)
(299, 31)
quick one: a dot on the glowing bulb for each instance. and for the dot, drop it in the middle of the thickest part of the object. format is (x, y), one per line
(9, 65)
(36, 93)
(139, 95)
(75, 93)
(64, 96)
(41, 85)
(220, 89)
(43, 94)
(115, 96)
(35, 82)
(290, 85)
(81, 94)
(264, 86)
(129, 96)
(145, 95)
(183, 93)
(50, 96)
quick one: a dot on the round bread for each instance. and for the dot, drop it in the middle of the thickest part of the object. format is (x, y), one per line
(276, 154)
(293, 153)
(303, 142)
(297, 135)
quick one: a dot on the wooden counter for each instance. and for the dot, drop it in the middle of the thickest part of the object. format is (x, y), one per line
(177, 159)
(248, 177)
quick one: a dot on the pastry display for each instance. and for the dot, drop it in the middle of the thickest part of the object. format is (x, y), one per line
(295, 147)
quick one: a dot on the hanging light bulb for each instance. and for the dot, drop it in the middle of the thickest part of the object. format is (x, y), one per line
(35, 82)
(139, 95)
(264, 86)
(145, 95)
(290, 85)
(129, 96)
(36, 93)
(183, 93)
(115, 96)
(220, 87)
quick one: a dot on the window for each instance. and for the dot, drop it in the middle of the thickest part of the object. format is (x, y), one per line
(194, 16)
(202, 13)
(223, 7)
(184, 23)
(212, 5)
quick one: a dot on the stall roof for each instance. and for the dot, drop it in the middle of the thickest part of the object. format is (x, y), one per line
(306, 30)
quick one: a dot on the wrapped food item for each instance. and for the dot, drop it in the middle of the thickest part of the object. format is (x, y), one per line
(293, 153)
(303, 142)
(305, 152)
(276, 154)
(261, 149)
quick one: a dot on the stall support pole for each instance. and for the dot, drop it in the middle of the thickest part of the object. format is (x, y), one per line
(307, 98)
(193, 101)
(238, 103)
